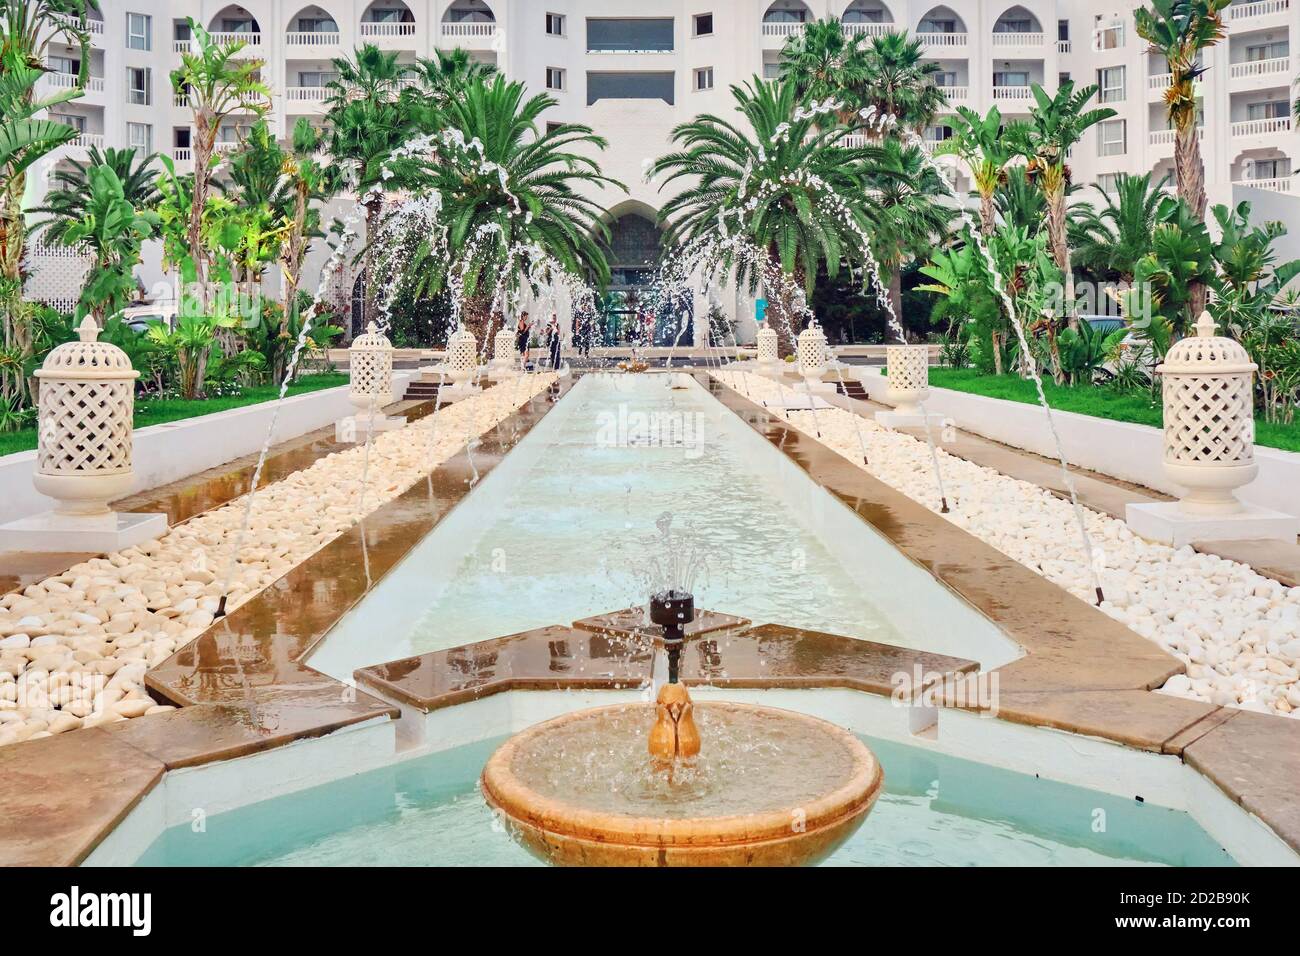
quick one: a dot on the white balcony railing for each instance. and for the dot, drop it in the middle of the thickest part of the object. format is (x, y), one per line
(468, 28)
(1062, 46)
(782, 28)
(68, 81)
(225, 146)
(1261, 8)
(861, 28)
(1166, 137)
(1159, 81)
(387, 29)
(1012, 93)
(87, 140)
(182, 154)
(180, 46)
(181, 100)
(1248, 68)
(1280, 184)
(942, 39)
(322, 38)
(1019, 39)
(1261, 127)
(306, 94)
(248, 39)
(956, 94)
(94, 27)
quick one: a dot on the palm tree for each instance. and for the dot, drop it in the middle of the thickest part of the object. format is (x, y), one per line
(824, 62)
(525, 197)
(1019, 202)
(1056, 124)
(217, 83)
(1180, 30)
(982, 144)
(367, 119)
(901, 81)
(911, 220)
(66, 199)
(793, 191)
(444, 75)
(1113, 238)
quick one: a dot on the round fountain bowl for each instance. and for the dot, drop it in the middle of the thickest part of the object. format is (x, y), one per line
(770, 788)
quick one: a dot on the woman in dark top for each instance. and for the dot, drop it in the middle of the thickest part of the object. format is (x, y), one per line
(553, 341)
(522, 332)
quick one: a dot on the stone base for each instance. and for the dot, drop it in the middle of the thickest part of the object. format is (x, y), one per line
(1166, 522)
(455, 391)
(908, 420)
(94, 534)
(356, 428)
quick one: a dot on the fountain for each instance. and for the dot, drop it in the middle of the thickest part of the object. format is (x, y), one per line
(675, 783)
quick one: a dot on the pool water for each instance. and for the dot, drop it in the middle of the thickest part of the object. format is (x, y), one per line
(565, 527)
(936, 811)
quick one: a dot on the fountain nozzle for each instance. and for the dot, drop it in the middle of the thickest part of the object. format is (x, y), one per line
(672, 610)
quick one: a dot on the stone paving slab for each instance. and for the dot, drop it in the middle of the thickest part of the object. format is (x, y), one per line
(61, 795)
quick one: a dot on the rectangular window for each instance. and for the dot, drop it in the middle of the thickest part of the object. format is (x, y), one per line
(946, 78)
(930, 25)
(703, 24)
(75, 120)
(630, 36)
(1107, 34)
(316, 77)
(1008, 25)
(1011, 78)
(1269, 169)
(1268, 51)
(1110, 84)
(139, 30)
(630, 86)
(1063, 30)
(1106, 182)
(554, 78)
(1275, 109)
(1112, 138)
(555, 24)
(771, 70)
(704, 78)
(64, 64)
(137, 85)
(140, 136)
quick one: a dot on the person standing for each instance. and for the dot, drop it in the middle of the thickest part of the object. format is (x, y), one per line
(553, 341)
(522, 331)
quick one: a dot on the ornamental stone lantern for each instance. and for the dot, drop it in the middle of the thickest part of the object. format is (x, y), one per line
(907, 386)
(811, 352)
(505, 357)
(768, 354)
(1209, 446)
(83, 454)
(461, 365)
(370, 387)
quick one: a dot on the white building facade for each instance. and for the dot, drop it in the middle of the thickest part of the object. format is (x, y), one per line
(634, 69)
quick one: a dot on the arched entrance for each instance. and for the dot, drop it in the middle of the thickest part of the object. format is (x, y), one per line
(628, 317)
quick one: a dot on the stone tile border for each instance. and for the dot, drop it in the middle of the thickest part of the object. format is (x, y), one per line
(240, 685)
(1082, 672)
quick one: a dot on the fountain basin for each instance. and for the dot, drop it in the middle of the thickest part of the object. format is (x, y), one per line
(770, 788)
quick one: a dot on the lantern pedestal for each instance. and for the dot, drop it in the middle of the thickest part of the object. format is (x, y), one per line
(52, 532)
(1165, 522)
(909, 385)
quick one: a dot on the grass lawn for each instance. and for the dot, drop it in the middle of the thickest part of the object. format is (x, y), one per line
(1096, 401)
(174, 409)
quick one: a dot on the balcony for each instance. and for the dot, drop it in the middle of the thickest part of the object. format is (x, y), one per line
(181, 100)
(390, 35)
(1261, 128)
(182, 154)
(1250, 69)
(1063, 46)
(1239, 12)
(252, 42)
(945, 40)
(1034, 40)
(956, 94)
(305, 99)
(1281, 184)
(1157, 83)
(866, 29)
(95, 29)
(68, 81)
(316, 40)
(775, 32)
(1162, 140)
(85, 141)
(1013, 94)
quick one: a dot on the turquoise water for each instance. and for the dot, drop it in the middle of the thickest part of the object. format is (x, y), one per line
(935, 811)
(565, 528)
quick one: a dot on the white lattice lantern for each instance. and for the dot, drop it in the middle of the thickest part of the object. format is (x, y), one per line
(87, 400)
(909, 377)
(768, 354)
(504, 354)
(462, 356)
(1209, 417)
(812, 353)
(370, 361)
